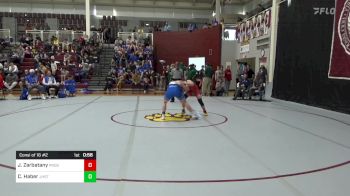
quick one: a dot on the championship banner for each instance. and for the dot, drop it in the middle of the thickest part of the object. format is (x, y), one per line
(254, 27)
(339, 67)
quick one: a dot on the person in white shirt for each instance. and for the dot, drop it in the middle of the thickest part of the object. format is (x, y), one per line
(66, 59)
(13, 68)
(50, 82)
(11, 81)
(53, 65)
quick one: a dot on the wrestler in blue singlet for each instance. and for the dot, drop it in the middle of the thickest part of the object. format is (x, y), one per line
(174, 90)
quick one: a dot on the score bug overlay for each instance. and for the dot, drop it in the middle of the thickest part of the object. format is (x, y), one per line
(55, 166)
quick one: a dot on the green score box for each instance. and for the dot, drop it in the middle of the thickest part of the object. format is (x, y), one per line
(89, 176)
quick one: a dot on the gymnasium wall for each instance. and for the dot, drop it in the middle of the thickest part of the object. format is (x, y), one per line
(303, 49)
(229, 56)
(178, 46)
(141, 11)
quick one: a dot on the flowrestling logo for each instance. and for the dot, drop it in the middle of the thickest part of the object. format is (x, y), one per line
(344, 27)
(324, 11)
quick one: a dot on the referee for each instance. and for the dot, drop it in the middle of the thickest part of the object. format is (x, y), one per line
(177, 74)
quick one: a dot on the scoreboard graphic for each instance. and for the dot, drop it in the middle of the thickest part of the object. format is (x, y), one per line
(55, 166)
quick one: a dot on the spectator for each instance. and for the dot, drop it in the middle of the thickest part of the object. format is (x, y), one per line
(167, 27)
(228, 79)
(113, 64)
(28, 53)
(258, 84)
(207, 78)
(42, 68)
(219, 81)
(163, 77)
(177, 74)
(66, 58)
(6, 68)
(241, 67)
(22, 39)
(263, 73)
(136, 79)
(32, 82)
(70, 86)
(64, 74)
(85, 70)
(192, 73)
(11, 81)
(128, 40)
(132, 67)
(190, 27)
(41, 56)
(36, 61)
(2, 85)
(146, 81)
(250, 73)
(205, 26)
(133, 57)
(121, 80)
(3, 58)
(242, 87)
(168, 76)
(13, 69)
(20, 52)
(199, 77)
(22, 80)
(65, 45)
(153, 77)
(53, 65)
(110, 81)
(49, 82)
(147, 64)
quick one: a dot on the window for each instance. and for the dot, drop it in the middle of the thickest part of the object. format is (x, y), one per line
(229, 34)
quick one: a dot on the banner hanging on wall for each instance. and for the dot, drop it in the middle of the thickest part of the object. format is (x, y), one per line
(339, 67)
(254, 27)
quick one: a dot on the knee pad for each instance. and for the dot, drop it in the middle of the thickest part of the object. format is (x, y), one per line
(200, 101)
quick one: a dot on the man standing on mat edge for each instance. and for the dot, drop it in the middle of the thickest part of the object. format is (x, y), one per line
(177, 89)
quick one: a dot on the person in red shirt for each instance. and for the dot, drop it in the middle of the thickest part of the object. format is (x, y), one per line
(228, 78)
(2, 85)
(194, 91)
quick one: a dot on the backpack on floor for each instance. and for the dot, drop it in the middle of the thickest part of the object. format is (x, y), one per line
(62, 93)
(24, 94)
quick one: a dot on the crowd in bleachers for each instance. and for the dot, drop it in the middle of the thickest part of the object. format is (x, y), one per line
(49, 64)
(4, 43)
(131, 65)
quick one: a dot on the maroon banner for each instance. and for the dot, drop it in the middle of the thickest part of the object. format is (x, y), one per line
(339, 67)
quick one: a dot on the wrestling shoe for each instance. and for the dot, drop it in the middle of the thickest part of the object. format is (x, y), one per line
(205, 113)
(196, 116)
(162, 117)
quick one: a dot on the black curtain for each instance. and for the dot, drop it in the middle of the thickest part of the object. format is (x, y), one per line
(304, 42)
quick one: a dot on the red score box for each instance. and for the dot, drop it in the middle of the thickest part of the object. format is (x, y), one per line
(90, 165)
